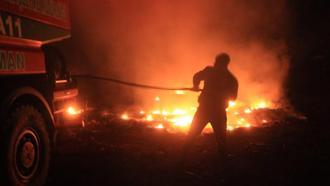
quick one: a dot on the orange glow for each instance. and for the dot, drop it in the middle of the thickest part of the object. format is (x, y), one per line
(182, 121)
(124, 116)
(179, 112)
(247, 111)
(179, 92)
(159, 126)
(232, 103)
(72, 111)
(191, 36)
(230, 128)
(260, 105)
(156, 112)
(149, 118)
(165, 113)
(177, 117)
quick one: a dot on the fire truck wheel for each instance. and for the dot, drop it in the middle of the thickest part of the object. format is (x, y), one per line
(26, 152)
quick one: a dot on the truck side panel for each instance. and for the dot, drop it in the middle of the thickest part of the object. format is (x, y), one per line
(51, 12)
(18, 61)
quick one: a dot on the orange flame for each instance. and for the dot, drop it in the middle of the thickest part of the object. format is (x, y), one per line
(180, 118)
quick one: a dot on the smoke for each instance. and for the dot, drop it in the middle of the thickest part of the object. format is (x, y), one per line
(165, 42)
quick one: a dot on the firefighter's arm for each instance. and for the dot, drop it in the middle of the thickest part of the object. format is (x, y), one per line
(198, 77)
(234, 89)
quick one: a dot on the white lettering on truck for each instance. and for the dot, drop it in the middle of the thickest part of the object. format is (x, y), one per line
(10, 26)
(12, 60)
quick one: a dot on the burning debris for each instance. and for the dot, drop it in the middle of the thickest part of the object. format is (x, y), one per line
(164, 116)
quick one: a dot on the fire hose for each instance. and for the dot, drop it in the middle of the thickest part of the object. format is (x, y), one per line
(117, 81)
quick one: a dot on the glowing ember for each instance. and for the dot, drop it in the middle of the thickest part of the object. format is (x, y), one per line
(183, 121)
(179, 92)
(230, 128)
(165, 113)
(260, 105)
(247, 126)
(125, 117)
(232, 103)
(159, 126)
(72, 111)
(149, 118)
(156, 112)
(247, 111)
(179, 112)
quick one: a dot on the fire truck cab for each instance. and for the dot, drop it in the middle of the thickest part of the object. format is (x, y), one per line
(36, 89)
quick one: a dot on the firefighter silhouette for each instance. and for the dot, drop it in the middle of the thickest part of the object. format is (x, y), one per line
(220, 86)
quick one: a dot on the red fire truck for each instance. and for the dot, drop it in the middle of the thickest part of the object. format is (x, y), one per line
(36, 89)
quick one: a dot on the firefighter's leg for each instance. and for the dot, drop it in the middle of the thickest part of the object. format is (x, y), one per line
(197, 125)
(219, 125)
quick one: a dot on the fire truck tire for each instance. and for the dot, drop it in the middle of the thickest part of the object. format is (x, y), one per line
(25, 150)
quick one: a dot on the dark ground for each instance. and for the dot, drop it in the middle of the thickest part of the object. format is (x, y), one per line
(288, 153)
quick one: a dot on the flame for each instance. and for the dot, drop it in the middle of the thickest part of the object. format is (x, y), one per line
(231, 104)
(183, 121)
(71, 110)
(125, 116)
(156, 112)
(149, 118)
(247, 111)
(260, 105)
(159, 126)
(239, 115)
(179, 112)
(230, 128)
(179, 92)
